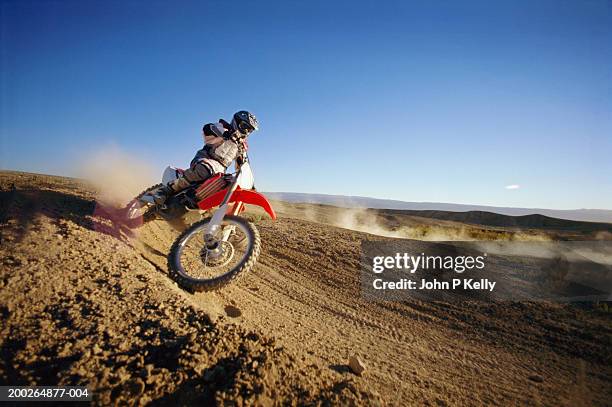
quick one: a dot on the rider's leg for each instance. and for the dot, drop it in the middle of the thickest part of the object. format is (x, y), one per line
(198, 172)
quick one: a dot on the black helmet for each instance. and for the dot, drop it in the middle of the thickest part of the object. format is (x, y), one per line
(245, 122)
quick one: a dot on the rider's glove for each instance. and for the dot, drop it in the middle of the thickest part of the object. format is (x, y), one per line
(240, 160)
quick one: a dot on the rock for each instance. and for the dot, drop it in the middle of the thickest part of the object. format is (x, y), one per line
(441, 402)
(232, 311)
(356, 365)
(536, 378)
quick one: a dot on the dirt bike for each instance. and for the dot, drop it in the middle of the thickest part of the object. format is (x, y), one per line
(218, 249)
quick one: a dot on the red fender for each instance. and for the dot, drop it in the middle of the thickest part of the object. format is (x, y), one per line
(239, 195)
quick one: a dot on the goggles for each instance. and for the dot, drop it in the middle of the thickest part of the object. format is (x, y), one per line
(245, 128)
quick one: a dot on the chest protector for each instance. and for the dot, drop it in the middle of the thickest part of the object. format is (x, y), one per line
(225, 152)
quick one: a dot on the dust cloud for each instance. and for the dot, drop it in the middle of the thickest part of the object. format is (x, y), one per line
(368, 221)
(364, 221)
(117, 175)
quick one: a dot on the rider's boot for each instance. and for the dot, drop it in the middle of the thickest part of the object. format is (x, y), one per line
(161, 194)
(165, 191)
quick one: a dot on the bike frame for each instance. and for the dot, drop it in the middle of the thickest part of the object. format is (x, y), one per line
(232, 194)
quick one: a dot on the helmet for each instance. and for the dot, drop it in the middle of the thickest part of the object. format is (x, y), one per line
(245, 122)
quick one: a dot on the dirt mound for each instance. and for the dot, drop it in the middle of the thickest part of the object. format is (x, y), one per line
(81, 303)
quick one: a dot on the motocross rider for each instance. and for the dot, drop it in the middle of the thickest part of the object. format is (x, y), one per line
(223, 143)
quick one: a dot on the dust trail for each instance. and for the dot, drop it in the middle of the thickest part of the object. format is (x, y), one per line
(360, 220)
(117, 175)
(366, 221)
(369, 221)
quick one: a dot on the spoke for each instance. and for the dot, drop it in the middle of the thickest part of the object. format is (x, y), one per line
(198, 262)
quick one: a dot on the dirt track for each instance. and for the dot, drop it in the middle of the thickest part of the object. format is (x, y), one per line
(81, 304)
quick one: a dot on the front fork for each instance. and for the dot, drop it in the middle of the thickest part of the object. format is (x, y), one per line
(214, 226)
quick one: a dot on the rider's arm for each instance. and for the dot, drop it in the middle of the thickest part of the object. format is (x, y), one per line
(241, 159)
(213, 133)
(242, 154)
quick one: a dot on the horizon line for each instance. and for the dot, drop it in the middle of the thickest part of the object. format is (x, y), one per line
(436, 202)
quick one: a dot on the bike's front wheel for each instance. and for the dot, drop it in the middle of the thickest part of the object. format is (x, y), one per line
(197, 267)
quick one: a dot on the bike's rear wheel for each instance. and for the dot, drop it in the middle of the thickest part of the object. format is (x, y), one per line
(198, 268)
(137, 212)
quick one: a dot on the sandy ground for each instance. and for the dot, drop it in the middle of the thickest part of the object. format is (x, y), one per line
(81, 303)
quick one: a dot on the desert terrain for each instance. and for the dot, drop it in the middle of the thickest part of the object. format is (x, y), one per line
(83, 301)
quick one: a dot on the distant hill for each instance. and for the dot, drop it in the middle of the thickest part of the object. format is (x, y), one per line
(535, 221)
(586, 215)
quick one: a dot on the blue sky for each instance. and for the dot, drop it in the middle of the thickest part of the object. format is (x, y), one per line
(447, 101)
